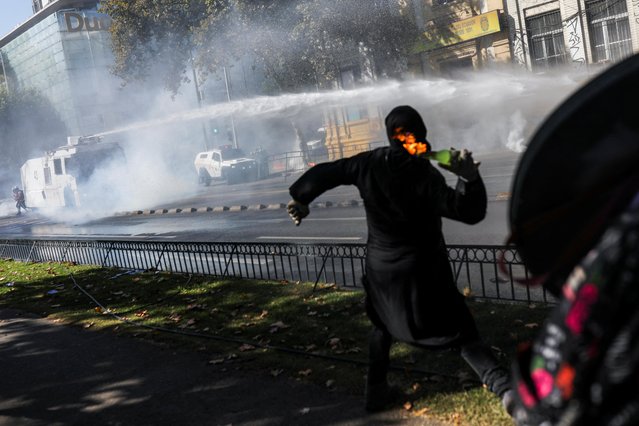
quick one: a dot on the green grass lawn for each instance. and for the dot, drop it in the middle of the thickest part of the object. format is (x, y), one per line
(277, 327)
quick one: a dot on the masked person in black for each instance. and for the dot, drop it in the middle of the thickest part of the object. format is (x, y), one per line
(410, 291)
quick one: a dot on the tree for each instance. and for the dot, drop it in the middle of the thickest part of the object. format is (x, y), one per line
(29, 125)
(156, 34)
(298, 43)
(378, 30)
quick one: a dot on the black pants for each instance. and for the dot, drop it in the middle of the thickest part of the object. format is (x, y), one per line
(476, 353)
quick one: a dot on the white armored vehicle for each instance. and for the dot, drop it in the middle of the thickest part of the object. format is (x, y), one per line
(56, 179)
(225, 163)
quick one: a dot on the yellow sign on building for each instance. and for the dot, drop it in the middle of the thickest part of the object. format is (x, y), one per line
(467, 29)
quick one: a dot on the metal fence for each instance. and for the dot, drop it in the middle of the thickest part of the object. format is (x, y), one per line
(476, 268)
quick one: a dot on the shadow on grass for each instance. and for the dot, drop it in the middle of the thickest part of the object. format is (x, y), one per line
(72, 375)
(237, 351)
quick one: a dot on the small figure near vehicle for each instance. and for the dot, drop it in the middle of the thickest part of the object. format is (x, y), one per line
(18, 196)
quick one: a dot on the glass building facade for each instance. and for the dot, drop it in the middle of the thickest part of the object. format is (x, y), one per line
(64, 52)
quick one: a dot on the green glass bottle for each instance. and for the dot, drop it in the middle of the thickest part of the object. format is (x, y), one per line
(442, 157)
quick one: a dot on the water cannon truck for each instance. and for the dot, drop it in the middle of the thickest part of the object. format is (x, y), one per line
(57, 178)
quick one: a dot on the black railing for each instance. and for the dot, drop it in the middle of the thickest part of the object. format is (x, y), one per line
(476, 268)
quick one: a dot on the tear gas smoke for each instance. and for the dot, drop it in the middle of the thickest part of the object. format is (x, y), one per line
(485, 111)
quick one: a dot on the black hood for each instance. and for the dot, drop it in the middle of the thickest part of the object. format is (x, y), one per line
(408, 119)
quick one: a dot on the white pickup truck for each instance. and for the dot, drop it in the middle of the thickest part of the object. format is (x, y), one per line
(225, 163)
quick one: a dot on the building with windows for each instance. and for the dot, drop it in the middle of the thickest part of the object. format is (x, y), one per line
(459, 36)
(64, 52)
(572, 32)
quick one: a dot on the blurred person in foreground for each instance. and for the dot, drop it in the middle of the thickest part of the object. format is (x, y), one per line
(18, 197)
(574, 219)
(410, 291)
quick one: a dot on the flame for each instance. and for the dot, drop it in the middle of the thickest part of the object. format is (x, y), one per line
(409, 142)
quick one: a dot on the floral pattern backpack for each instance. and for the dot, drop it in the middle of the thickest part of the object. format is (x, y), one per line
(583, 366)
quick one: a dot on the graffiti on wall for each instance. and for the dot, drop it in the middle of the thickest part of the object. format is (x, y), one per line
(575, 44)
(519, 47)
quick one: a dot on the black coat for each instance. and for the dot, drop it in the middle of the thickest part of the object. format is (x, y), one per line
(410, 287)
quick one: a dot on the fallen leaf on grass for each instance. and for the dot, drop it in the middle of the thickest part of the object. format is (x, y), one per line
(531, 325)
(330, 383)
(188, 323)
(276, 326)
(305, 373)
(246, 347)
(305, 410)
(408, 405)
(276, 372)
(420, 412)
(195, 307)
(333, 342)
(142, 314)
(216, 361)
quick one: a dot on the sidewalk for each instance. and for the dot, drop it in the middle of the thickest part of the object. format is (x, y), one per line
(58, 375)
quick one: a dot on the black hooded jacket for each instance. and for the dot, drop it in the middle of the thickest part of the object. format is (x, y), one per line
(410, 287)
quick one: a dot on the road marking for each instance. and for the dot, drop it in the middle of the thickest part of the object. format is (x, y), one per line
(320, 219)
(112, 236)
(307, 238)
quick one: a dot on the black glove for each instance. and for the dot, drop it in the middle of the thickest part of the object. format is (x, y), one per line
(297, 211)
(463, 165)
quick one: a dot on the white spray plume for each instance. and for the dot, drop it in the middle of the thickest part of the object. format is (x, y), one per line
(483, 111)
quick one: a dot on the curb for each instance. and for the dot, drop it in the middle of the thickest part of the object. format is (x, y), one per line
(237, 208)
(502, 196)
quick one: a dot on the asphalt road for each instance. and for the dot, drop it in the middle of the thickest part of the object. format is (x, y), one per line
(254, 212)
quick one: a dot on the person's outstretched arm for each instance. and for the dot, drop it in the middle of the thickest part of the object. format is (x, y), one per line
(317, 180)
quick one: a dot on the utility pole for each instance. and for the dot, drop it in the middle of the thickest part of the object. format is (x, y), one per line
(198, 94)
(228, 98)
